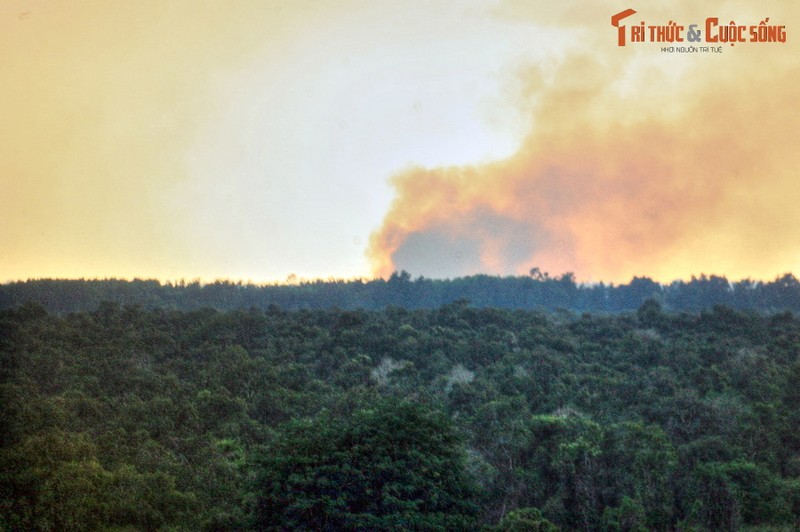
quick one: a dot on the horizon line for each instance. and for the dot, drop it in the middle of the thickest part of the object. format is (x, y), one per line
(293, 280)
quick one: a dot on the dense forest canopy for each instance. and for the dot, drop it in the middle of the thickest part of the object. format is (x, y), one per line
(537, 291)
(452, 418)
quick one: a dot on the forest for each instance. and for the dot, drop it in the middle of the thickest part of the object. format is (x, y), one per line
(141, 416)
(536, 291)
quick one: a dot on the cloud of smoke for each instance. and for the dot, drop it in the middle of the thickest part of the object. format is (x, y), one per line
(638, 162)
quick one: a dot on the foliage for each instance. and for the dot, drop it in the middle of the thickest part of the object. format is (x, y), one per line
(391, 467)
(525, 520)
(535, 292)
(457, 417)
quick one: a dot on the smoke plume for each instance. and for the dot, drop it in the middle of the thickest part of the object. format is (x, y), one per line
(638, 162)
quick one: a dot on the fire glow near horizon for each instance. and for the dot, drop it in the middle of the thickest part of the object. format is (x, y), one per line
(253, 140)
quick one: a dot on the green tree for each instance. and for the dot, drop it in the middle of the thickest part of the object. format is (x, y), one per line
(525, 520)
(639, 462)
(565, 453)
(395, 466)
(716, 503)
(627, 517)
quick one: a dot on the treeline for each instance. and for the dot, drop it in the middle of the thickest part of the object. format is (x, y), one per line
(535, 292)
(455, 418)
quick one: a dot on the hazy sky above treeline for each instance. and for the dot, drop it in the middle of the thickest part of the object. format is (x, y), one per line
(258, 139)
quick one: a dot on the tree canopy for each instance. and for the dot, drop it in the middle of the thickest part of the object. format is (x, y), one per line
(456, 417)
(394, 466)
(535, 292)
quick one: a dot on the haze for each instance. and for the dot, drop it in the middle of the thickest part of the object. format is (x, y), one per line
(257, 140)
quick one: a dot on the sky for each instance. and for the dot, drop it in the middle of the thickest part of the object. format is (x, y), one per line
(267, 140)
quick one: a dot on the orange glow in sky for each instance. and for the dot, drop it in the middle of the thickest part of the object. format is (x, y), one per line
(257, 139)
